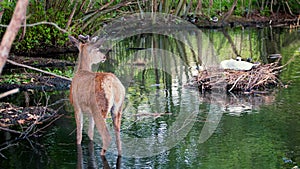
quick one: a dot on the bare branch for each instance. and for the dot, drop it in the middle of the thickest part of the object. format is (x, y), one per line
(41, 23)
(228, 14)
(9, 130)
(199, 7)
(290, 11)
(13, 91)
(36, 69)
(58, 117)
(106, 5)
(72, 14)
(95, 14)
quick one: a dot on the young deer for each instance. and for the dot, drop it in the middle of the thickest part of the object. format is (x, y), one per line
(96, 94)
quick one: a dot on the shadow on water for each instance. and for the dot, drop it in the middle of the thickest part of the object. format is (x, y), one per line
(253, 131)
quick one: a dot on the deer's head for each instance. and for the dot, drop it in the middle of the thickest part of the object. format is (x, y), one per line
(89, 52)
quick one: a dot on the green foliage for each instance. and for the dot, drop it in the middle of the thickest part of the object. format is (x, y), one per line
(265, 12)
(24, 78)
(40, 35)
(7, 5)
(14, 79)
(65, 72)
(89, 19)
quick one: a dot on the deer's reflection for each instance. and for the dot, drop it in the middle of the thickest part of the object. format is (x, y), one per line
(91, 159)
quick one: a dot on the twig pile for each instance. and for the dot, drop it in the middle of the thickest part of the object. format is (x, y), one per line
(27, 119)
(259, 78)
(11, 115)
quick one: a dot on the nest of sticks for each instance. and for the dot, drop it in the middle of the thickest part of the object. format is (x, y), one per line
(259, 78)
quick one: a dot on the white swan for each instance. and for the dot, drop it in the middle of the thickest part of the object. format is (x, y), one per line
(237, 64)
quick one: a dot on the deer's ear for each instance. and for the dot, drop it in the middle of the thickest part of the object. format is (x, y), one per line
(84, 39)
(74, 41)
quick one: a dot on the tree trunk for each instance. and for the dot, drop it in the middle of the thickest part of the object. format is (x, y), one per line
(262, 5)
(228, 14)
(290, 11)
(272, 2)
(47, 5)
(211, 2)
(71, 15)
(166, 6)
(179, 7)
(12, 30)
(249, 8)
(199, 7)
(188, 9)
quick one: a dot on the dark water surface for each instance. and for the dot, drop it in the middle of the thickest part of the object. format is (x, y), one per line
(167, 124)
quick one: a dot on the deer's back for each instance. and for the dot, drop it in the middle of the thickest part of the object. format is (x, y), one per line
(96, 90)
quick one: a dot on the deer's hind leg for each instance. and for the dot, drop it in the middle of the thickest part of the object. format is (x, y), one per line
(117, 117)
(91, 126)
(102, 129)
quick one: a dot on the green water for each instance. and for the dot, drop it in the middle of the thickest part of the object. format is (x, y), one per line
(256, 131)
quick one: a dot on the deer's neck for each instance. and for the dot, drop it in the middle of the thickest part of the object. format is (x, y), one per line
(84, 64)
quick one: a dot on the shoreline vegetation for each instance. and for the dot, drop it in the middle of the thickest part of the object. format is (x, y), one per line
(284, 21)
(49, 22)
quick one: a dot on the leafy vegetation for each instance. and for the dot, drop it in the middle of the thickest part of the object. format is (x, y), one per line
(14, 79)
(27, 78)
(82, 16)
(65, 72)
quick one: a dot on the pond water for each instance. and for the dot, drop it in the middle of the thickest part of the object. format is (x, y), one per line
(169, 124)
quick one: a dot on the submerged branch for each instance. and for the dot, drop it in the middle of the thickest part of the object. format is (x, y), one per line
(10, 130)
(6, 147)
(39, 130)
(29, 118)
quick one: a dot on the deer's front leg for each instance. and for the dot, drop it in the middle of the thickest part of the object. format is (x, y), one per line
(79, 124)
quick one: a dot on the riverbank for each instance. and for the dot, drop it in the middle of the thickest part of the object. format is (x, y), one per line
(255, 20)
(15, 77)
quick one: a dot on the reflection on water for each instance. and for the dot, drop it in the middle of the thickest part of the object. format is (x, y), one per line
(225, 131)
(91, 158)
(238, 104)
